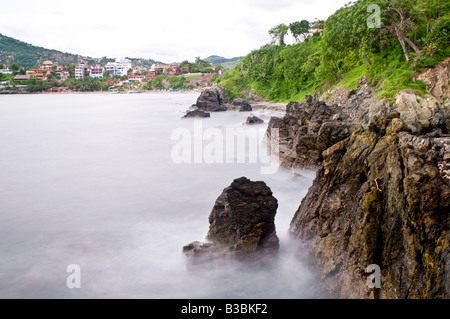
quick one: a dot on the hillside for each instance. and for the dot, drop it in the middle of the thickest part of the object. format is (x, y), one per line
(13, 50)
(346, 49)
(226, 63)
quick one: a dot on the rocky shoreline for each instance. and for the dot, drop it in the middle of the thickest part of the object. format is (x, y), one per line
(382, 189)
(211, 100)
(381, 194)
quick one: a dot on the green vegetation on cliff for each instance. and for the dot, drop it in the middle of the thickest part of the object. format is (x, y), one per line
(389, 47)
(226, 63)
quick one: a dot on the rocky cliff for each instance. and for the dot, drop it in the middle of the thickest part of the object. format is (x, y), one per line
(381, 194)
(381, 197)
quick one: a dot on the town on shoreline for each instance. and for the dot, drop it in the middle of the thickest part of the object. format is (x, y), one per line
(115, 77)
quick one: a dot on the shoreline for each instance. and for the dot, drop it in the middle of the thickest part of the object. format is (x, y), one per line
(268, 105)
(256, 105)
(98, 92)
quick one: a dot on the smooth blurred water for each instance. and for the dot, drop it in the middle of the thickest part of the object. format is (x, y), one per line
(89, 179)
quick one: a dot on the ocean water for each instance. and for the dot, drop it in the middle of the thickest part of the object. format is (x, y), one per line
(93, 180)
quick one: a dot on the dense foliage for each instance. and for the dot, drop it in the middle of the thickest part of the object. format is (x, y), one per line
(29, 56)
(389, 47)
(199, 66)
(227, 63)
(12, 50)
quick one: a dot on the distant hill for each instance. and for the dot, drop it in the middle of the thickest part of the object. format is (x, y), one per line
(144, 63)
(227, 63)
(13, 50)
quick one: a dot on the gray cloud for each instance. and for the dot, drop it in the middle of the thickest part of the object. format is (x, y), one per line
(140, 28)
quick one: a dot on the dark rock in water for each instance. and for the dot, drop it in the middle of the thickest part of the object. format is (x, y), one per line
(196, 113)
(211, 100)
(199, 252)
(254, 120)
(241, 225)
(381, 197)
(243, 105)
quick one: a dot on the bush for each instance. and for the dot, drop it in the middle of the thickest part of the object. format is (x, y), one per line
(176, 82)
(343, 52)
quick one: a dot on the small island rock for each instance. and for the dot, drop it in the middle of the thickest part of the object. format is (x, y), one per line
(243, 105)
(196, 113)
(241, 225)
(254, 120)
(211, 100)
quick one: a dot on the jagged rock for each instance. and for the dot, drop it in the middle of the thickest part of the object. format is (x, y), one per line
(359, 104)
(437, 80)
(243, 105)
(196, 113)
(211, 100)
(308, 129)
(419, 114)
(200, 252)
(241, 225)
(381, 197)
(308, 98)
(254, 120)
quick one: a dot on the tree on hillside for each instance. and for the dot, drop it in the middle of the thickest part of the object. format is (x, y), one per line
(279, 32)
(202, 63)
(347, 31)
(15, 67)
(400, 15)
(317, 25)
(300, 29)
(433, 9)
(219, 67)
(184, 66)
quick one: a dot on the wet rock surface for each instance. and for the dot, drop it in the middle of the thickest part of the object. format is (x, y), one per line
(381, 197)
(252, 119)
(308, 129)
(211, 100)
(196, 114)
(242, 105)
(241, 225)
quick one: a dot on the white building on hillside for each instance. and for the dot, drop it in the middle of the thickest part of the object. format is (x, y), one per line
(6, 71)
(120, 67)
(81, 68)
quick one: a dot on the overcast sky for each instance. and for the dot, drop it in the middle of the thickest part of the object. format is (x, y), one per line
(165, 30)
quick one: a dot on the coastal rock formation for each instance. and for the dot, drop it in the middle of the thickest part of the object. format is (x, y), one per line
(420, 115)
(309, 128)
(211, 100)
(196, 113)
(241, 225)
(381, 197)
(243, 105)
(253, 120)
(437, 80)
(358, 104)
